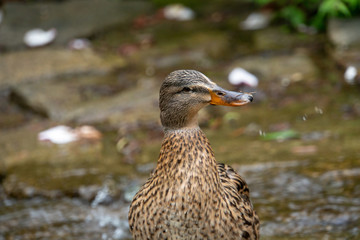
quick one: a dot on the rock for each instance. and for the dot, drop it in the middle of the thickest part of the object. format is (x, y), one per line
(136, 105)
(309, 149)
(10, 115)
(43, 64)
(348, 58)
(340, 174)
(193, 50)
(91, 100)
(286, 68)
(344, 33)
(275, 38)
(72, 19)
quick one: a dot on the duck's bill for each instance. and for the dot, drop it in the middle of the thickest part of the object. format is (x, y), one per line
(224, 97)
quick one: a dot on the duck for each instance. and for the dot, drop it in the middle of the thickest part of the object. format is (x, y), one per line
(189, 195)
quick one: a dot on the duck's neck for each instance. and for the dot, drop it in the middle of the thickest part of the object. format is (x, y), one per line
(186, 156)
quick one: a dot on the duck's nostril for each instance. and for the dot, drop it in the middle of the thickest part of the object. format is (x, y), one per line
(251, 98)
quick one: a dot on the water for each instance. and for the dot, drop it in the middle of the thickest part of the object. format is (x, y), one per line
(62, 219)
(298, 193)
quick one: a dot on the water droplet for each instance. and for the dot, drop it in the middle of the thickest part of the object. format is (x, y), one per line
(318, 110)
(262, 133)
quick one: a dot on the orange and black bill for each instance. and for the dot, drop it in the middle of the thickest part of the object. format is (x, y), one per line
(224, 97)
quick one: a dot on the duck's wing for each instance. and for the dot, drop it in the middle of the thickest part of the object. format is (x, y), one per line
(237, 190)
(233, 181)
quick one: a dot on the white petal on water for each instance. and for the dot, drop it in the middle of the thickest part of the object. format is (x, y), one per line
(64, 134)
(240, 76)
(255, 21)
(318, 110)
(38, 37)
(58, 135)
(350, 74)
(178, 12)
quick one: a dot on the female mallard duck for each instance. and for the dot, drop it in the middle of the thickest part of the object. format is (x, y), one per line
(189, 195)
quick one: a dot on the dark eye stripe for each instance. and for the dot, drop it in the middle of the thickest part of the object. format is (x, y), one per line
(194, 89)
(186, 89)
(200, 90)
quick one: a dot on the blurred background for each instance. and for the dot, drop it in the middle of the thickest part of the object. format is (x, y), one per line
(79, 118)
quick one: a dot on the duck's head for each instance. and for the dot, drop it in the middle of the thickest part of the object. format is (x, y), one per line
(185, 92)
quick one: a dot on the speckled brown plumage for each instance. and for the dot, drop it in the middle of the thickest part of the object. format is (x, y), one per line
(189, 195)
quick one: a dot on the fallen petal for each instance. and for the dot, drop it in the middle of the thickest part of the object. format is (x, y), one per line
(38, 37)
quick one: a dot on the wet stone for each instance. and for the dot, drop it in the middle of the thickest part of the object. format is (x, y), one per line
(137, 105)
(72, 19)
(47, 97)
(112, 100)
(10, 114)
(63, 219)
(282, 68)
(344, 33)
(276, 39)
(45, 64)
(348, 57)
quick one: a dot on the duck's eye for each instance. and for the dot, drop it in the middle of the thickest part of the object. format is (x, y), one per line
(186, 89)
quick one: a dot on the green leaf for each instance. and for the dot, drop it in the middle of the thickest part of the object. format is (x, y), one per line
(281, 136)
(343, 9)
(353, 4)
(262, 2)
(333, 8)
(294, 15)
(318, 21)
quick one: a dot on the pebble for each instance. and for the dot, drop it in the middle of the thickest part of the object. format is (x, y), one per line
(79, 44)
(310, 149)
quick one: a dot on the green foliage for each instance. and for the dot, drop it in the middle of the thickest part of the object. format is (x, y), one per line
(188, 3)
(311, 12)
(294, 14)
